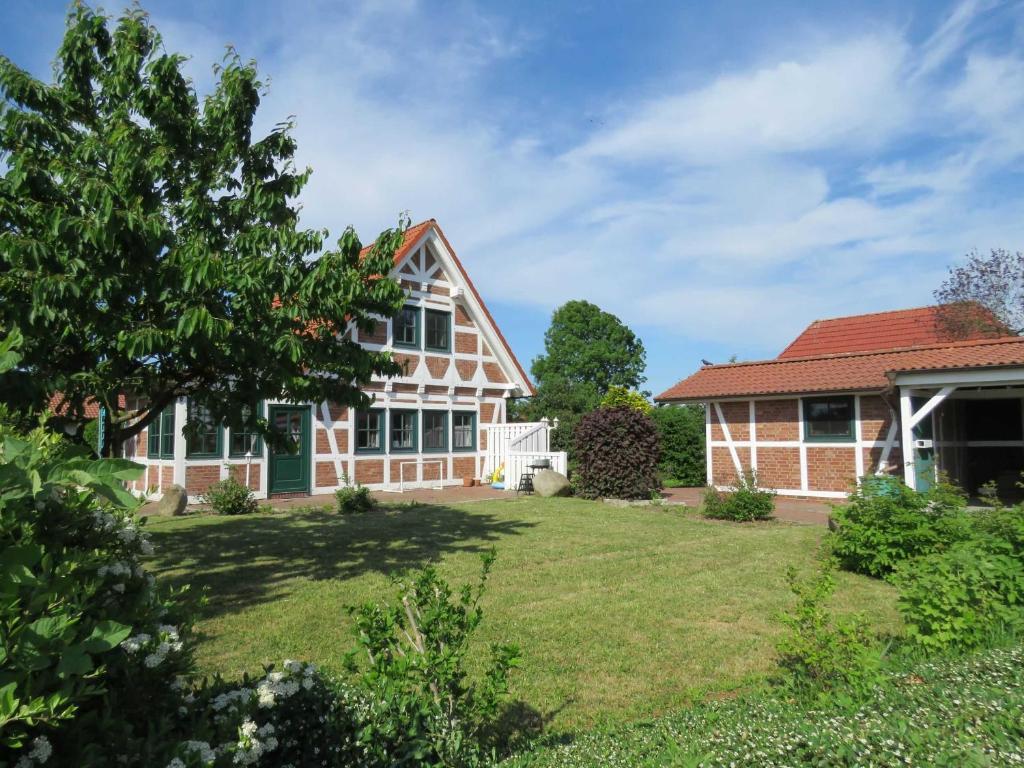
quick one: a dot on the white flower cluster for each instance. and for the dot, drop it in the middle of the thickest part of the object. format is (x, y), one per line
(281, 685)
(167, 640)
(231, 699)
(253, 741)
(127, 531)
(40, 753)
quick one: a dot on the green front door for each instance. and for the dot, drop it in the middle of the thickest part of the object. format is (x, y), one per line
(289, 469)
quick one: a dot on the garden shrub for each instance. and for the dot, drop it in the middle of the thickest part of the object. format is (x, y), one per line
(354, 498)
(681, 431)
(230, 497)
(90, 650)
(624, 397)
(617, 451)
(744, 502)
(884, 523)
(424, 709)
(821, 652)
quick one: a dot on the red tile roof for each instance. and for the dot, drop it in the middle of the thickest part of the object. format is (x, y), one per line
(897, 329)
(849, 372)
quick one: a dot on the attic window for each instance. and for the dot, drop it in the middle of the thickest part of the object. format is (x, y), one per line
(829, 419)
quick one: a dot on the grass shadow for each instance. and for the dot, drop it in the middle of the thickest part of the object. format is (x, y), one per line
(245, 560)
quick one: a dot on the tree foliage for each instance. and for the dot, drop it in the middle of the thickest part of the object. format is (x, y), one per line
(681, 431)
(984, 296)
(617, 397)
(150, 244)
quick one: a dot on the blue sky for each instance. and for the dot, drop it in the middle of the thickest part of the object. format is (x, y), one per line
(717, 175)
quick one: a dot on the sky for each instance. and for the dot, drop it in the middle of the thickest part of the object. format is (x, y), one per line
(716, 175)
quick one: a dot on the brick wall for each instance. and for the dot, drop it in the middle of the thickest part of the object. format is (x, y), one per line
(724, 469)
(486, 413)
(464, 466)
(466, 369)
(494, 373)
(462, 317)
(737, 417)
(396, 470)
(199, 479)
(379, 334)
(875, 418)
(778, 467)
(438, 366)
(369, 471)
(829, 468)
(778, 420)
(237, 471)
(167, 476)
(326, 474)
(466, 343)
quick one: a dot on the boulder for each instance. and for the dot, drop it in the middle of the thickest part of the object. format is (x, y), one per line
(547, 482)
(173, 502)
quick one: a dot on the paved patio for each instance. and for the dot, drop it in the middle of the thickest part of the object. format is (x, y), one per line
(786, 509)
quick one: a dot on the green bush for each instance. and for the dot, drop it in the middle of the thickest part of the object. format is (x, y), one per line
(681, 431)
(743, 503)
(617, 453)
(90, 651)
(354, 498)
(624, 397)
(821, 652)
(424, 708)
(230, 497)
(884, 523)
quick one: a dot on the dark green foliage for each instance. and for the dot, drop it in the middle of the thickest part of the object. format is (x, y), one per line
(89, 650)
(617, 453)
(885, 522)
(681, 431)
(424, 707)
(354, 498)
(150, 244)
(744, 503)
(821, 652)
(230, 497)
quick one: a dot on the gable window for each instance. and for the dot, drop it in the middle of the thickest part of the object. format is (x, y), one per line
(403, 431)
(161, 435)
(244, 438)
(406, 328)
(435, 431)
(370, 431)
(202, 439)
(463, 431)
(438, 330)
(829, 419)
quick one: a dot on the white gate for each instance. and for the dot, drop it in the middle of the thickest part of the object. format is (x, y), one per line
(516, 446)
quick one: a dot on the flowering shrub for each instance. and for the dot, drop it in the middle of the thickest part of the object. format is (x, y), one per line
(617, 451)
(624, 397)
(230, 497)
(423, 707)
(884, 523)
(743, 503)
(88, 646)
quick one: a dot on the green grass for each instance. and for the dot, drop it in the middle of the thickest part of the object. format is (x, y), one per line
(620, 613)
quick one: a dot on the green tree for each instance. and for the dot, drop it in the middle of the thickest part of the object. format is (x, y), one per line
(620, 397)
(149, 245)
(586, 347)
(681, 429)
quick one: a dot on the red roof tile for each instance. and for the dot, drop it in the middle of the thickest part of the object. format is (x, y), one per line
(897, 329)
(855, 371)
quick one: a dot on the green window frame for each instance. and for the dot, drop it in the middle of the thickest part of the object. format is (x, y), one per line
(161, 435)
(206, 442)
(463, 430)
(241, 440)
(829, 419)
(437, 330)
(370, 431)
(435, 431)
(403, 434)
(405, 328)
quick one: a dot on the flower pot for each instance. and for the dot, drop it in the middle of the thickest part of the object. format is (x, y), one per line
(468, 482)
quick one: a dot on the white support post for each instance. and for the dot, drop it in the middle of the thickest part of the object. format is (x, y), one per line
(907, 438)
(707, 443)
(930, 406)
(180, 445)
(858, 460)
(753, 437)
(804, 483)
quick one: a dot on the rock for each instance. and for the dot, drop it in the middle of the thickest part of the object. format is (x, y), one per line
(173, 502)
(547, 482)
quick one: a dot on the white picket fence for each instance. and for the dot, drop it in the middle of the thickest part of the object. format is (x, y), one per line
(516, 446)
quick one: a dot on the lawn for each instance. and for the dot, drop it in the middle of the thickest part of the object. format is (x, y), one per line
(620, 613)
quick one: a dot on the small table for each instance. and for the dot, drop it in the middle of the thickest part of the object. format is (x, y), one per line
(526, 479)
